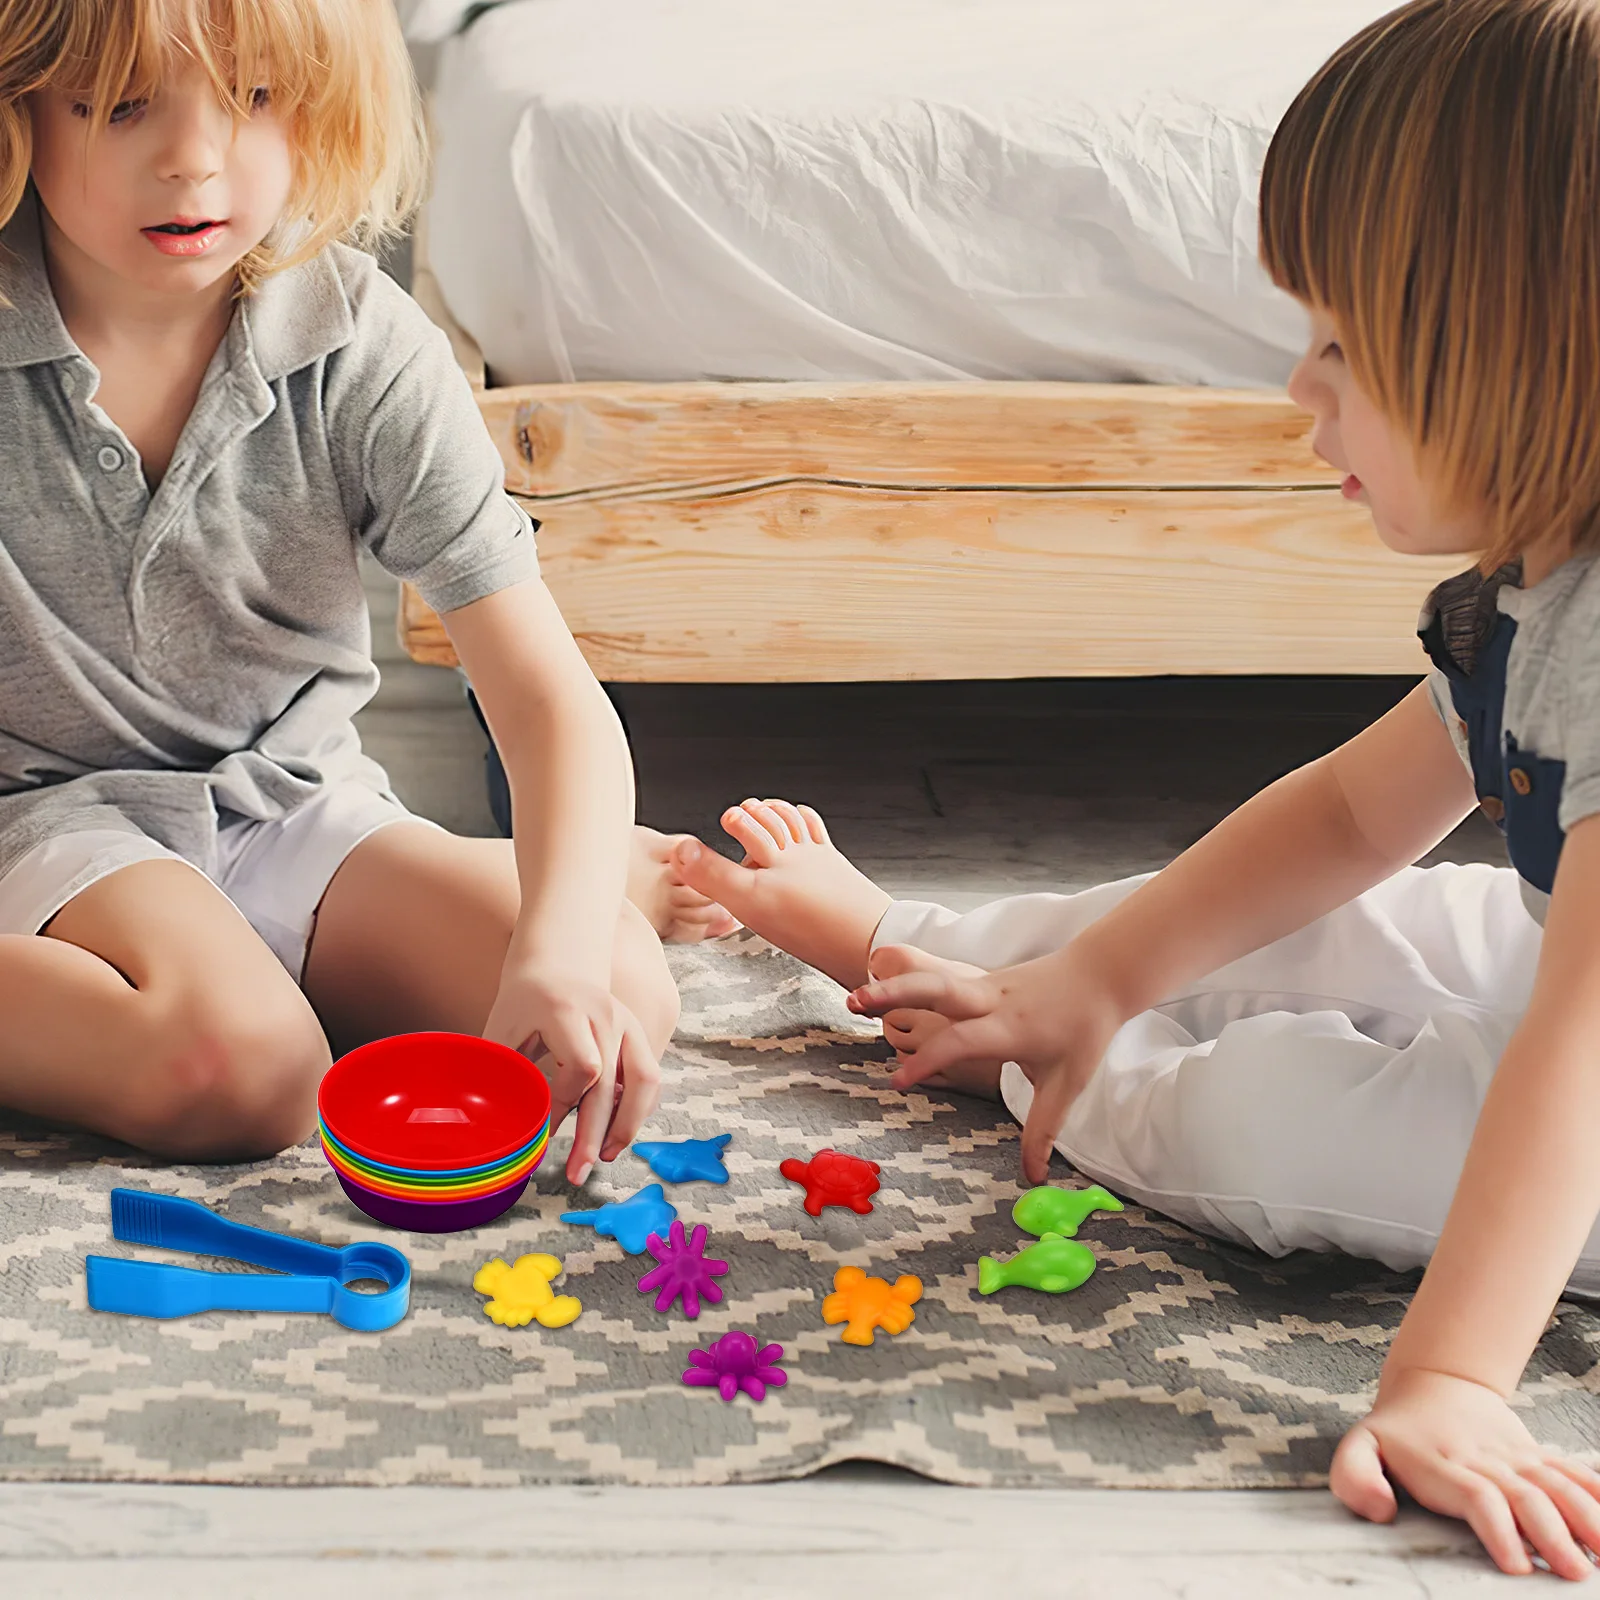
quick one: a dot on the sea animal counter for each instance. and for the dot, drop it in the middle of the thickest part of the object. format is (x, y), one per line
(1135, 1376)
(441, 1132)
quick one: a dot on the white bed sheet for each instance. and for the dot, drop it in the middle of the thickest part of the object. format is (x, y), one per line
(870, 189)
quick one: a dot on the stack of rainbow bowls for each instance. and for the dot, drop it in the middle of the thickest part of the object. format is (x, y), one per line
(434, 1132)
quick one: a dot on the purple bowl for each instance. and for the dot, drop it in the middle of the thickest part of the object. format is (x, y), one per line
(434, 1216)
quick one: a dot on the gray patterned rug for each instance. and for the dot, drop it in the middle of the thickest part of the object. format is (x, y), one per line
(1179, 1364)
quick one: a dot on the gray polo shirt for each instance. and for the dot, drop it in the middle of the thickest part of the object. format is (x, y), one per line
(200, 650)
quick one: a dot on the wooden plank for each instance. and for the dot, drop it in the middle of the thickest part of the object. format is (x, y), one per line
(822, 584)
(605, 439)
(854, 1531)
(1049, 1571)
(860, 1508)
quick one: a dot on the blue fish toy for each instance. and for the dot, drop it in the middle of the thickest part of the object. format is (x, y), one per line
(687, 1160)
(630, 1222)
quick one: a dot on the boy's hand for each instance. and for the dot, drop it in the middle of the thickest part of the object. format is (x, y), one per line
(1049, 1016)
(1457, 1448)
(592, 1050)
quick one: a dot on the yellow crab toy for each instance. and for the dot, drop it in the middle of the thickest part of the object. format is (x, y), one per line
(522, 1293)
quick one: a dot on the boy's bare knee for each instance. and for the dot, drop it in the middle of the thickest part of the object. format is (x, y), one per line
(230, 1088)
(642, 979)
(662, 1007)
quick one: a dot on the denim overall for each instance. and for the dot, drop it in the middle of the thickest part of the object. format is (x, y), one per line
(1520, 792)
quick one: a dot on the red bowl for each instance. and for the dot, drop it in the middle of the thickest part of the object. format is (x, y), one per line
(433, 1101)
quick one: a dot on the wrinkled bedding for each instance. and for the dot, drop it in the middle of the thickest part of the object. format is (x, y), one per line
(868, 189)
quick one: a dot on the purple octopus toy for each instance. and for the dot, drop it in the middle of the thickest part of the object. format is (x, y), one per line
(734, 1363)
(683, 1271)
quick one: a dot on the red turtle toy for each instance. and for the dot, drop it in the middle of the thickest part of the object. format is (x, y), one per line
(832, 1179)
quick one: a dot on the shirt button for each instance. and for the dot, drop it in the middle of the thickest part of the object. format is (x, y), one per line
(1522, 781)
(108, 458)
(68, 384)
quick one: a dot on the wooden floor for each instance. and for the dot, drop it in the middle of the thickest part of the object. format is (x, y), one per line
(958, 792)
(850, 1533)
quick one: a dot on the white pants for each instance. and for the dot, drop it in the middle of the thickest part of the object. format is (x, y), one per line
(1319, 1094)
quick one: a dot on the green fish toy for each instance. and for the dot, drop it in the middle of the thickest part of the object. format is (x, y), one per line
(1054, 1265)
(1061, 1211)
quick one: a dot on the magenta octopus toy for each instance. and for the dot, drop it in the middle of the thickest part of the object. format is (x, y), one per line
(683, 1271)
(734, 1363)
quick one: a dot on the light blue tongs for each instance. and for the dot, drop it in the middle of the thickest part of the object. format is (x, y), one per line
(304, 1276)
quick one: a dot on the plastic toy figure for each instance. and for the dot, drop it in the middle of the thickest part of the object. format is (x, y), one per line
(865, 1303)
(832, 1179)
(1054, 1265)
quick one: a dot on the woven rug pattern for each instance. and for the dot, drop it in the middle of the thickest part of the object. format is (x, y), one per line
(1181, 1363)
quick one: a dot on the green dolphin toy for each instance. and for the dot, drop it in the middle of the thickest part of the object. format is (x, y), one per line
(1053, 1264)
(1060, 1211)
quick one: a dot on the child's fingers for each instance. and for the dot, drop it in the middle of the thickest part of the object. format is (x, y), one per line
(569, 1038)
(684, 897)
(1584, 1476)
(796, 824)
(1357, 1477)
(1578, 1507)
(1053, 1094)
(956, 998)
(1484, 1509)
(1541, 1522)
(979, 1039)
(641, 1090)
(761, 844)
(905, 1030)
(594, 1112)
(815, 826)
(698, 909)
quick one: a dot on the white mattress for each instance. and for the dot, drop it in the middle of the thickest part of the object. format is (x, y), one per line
(675, 189)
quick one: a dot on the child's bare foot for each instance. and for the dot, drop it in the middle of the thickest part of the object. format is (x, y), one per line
(678, 913)
(907, 1031)
(793, 887)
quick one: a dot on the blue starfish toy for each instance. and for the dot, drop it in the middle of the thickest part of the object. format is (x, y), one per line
(630, 1222)
(685, 1160)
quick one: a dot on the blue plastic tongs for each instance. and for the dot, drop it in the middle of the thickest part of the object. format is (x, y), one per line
(305, 1276)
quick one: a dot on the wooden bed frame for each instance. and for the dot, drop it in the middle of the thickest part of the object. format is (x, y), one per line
(811, 532)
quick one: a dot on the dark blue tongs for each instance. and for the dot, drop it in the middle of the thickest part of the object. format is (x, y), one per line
(304, 1276)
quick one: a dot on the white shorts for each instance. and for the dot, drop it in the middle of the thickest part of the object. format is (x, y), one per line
(275, 873)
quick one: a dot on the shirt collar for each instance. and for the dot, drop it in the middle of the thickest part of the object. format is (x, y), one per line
(293, 318)
(31, 328)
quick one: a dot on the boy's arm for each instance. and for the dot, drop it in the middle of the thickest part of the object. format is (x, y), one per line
(1527, 1200)
(1307, 844)
(571, 782)
(1530, 1188)
(567, 765)
(1304, 846)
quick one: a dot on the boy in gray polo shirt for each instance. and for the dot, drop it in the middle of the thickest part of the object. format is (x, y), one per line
(209, 405)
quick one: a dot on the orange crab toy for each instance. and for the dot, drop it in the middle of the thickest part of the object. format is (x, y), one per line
(866, 1303)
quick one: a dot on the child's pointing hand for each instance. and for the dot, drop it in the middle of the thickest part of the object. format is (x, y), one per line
(592, 1051)
(1045, 1015)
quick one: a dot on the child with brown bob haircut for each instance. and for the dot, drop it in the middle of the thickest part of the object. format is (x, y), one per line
(1293, 1037)
(211, 402)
